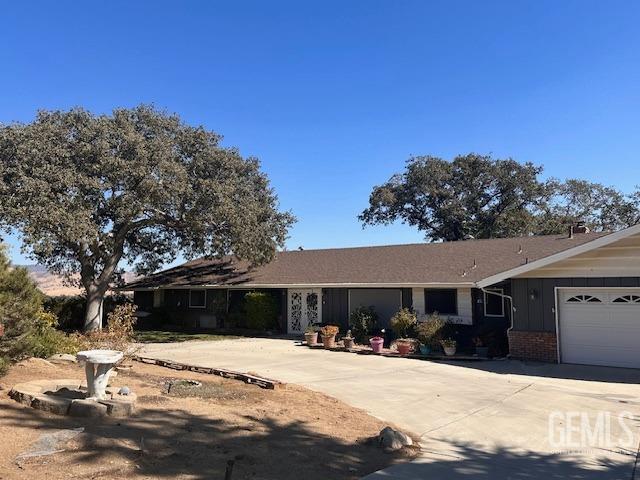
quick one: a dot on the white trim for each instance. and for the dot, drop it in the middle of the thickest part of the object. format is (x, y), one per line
(248, 286)
(205, 297)
(499, 292)
(543, 262)
(555, 308)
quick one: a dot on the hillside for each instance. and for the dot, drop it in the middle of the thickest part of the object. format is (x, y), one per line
(53, 285)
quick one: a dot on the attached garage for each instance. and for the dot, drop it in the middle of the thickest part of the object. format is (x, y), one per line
(599, 326)
(385, 301)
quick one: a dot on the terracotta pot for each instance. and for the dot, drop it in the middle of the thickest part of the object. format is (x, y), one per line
(404, 348)
(376, 344)
(329, 342)
(1, 330)
(311, 338)
(348, 342)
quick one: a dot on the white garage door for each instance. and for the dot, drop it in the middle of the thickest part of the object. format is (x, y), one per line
(600, 326)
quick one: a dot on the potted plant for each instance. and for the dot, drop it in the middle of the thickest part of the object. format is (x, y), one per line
(311, 335)
(449, 346)
(348, 340)
(376, 344)
(404, 323)
(362, 321)
(328, 334)
(481, 349)
(430, 333)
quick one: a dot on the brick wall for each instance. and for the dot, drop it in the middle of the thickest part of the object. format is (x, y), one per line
(540, 346)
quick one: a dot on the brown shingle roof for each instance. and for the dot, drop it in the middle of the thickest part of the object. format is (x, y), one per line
(423, 263)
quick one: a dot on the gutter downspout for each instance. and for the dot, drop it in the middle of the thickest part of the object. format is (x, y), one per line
(508, 297)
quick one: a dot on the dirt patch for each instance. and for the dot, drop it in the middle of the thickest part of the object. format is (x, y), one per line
(191, 432)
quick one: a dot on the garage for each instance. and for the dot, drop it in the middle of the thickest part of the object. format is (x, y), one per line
(599, 326)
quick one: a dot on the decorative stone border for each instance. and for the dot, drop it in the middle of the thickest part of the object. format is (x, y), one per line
(250, 378)
(49, 396)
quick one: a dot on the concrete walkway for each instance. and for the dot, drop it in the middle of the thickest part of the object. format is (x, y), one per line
(474, 419)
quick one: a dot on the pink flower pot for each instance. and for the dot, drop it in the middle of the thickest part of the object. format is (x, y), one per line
(376, 344)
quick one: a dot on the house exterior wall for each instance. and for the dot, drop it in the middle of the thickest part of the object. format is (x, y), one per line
(533, 336)
(464, 305)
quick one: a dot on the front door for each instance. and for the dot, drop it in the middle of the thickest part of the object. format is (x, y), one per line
(305, 308)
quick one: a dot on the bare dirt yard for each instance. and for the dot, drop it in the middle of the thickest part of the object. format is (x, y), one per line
(191, 433)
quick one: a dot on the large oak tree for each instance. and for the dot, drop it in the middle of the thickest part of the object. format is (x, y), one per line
(87, 192)
(477, 196)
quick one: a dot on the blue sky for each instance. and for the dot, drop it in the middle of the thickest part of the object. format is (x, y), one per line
(333, 97)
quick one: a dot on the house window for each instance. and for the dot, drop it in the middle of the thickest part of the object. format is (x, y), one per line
(493, 304)
(197, 298)
(441, 300)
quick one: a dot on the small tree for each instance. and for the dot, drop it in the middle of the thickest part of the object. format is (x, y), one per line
(404, 322)
(261, 310)
(87, 191)
(361, 322)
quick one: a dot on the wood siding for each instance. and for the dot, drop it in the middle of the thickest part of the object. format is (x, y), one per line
(539, 314)
(619, 259)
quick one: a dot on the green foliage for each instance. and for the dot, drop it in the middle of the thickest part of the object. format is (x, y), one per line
(42, 339)
(29, 330)
(432, 331)
(4, 365)
(261, 311)
(69, 310)
(119, 332)
(481, 197)
(404, 323)
(87, 191)
(362, 321)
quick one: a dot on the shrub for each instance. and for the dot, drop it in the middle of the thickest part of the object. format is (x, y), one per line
(329, 330)
(404, 322)
(261, 311)
(432, 331)
(69, 310)
(119, 332)
(4, 365)
(362, 321)
(41, 339)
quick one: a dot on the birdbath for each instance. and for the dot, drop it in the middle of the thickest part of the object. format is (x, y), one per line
(99, 364)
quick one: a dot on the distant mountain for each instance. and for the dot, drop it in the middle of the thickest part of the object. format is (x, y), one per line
(53, 285)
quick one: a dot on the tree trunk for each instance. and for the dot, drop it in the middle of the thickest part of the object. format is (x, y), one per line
(93, 313)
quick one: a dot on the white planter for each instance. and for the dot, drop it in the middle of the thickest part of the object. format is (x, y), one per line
(449, 351)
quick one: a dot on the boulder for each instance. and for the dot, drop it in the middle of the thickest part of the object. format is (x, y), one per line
(62, 358)
(50, 403)
(87, 408)
(391, 440)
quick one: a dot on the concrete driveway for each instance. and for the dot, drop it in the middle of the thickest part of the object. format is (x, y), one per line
(474, 419)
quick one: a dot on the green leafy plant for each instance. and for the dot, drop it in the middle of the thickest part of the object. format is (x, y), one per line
(404, 322)
(448, 343)
(432, 331)
(4, 365)
(362, 322)
(311, 328)
(261, 311)
(329, 330)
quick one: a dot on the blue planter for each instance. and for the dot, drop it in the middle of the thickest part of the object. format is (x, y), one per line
(425, 349)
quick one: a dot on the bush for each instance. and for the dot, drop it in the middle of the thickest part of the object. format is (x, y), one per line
(362, 321)
(261, 310)
(4, 365)
(119, 332)
(41, 339)
(432, 331)
(403, 323)
(69, 310)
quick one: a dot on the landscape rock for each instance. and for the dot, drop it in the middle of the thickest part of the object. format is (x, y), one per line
(62, 358)
(87, 408)
(124, 391)
(391, 440)
(117, 408)
(50, 443)
(50, 403)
